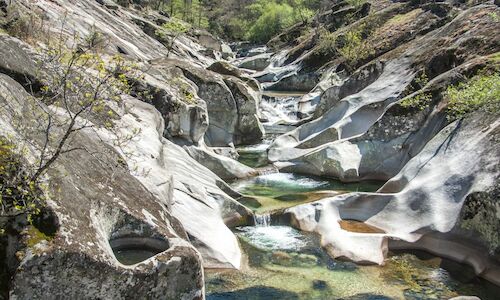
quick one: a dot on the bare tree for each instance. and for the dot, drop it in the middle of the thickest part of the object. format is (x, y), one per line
(80, 89)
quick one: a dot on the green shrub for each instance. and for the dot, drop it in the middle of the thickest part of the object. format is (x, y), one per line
(354, 47)
(420, 101)
(170, 31)
(481, 91)
(175, 26)
(327, 42)
(273, 17)
(18, 193)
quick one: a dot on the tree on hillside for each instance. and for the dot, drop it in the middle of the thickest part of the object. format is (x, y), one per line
(257, 20)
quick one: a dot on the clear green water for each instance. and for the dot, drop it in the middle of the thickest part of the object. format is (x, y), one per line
(277, 191)
(253, 158)
(286, 264)
(283, 263)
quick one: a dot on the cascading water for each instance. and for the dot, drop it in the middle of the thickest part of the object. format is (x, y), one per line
(280, 108)
(278, 116)
(285, 263)
(279, 111)
(263, 220)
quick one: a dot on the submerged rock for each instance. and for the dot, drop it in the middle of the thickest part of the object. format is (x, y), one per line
(319, 285)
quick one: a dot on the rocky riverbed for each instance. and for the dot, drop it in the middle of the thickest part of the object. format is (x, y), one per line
(285, 171)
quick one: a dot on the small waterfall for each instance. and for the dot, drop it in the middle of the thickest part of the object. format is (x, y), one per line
(262, 220)
(280, 108)
(278, 60)
(267, 170)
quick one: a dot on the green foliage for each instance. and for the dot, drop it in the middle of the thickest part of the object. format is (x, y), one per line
(495, 58)
(233, 19)
(420, 101)
(81, 83)
(273, 17)
(354, 48)
(185, 90)
(481, 91)
(327, 42)
(18, 193)
(170, 31)
(35, 236)
(422, 80)
(495, 16)
(176, 26)
(351, 46)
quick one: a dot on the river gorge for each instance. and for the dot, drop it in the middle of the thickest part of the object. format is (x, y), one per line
(353, 154)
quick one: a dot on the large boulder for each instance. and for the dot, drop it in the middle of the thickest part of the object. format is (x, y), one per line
(184, 113)
(18, 61)
(249, 130)
(197, 197)
(231, 104)
(355, 139)
(84, 16)
(106, 212)
(425, 199)
(401, 133)
(349, 117)
(225, 167)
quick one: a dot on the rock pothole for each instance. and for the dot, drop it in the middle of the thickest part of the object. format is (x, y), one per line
(132, 250)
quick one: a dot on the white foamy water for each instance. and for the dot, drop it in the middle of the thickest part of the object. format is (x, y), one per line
(280, 110)
(262, 220)
(259, 147)
(280, 180)
(274, 237)
(289, 179)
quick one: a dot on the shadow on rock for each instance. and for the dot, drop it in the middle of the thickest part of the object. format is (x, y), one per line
(254, 293)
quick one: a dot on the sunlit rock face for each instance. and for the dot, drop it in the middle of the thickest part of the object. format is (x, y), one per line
(192, 193)
(143, 221)
(130, 228)
(231, 104)
(426, 196)
(113, 205)
(363, 131)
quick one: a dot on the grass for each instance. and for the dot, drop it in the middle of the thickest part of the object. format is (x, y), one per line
(495, 57)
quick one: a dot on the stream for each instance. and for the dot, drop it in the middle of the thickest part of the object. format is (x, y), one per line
(280, 262)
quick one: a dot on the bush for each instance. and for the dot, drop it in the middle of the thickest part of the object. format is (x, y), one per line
(327, 42)
(354, 48)
(351, 46)
(356, 3)
(481, 91)
(420, 101)
(272, 18)
(170, 31)
(18, 193)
